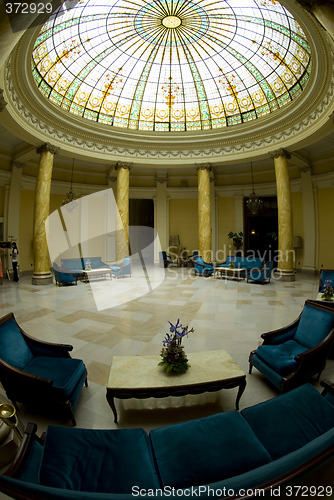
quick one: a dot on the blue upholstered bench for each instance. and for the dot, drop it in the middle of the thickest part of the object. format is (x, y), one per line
(76, 266)
(248, 263)
(266, 444)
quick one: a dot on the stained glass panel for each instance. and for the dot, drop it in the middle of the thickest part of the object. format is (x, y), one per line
(171, 65)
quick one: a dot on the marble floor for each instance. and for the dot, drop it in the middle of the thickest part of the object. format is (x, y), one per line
(225, 314)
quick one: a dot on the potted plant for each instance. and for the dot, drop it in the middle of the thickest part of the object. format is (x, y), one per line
(237, 238)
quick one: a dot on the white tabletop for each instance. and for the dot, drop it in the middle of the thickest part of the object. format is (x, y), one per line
(144, 372)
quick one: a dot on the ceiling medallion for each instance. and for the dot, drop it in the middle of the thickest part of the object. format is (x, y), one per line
(171, 21)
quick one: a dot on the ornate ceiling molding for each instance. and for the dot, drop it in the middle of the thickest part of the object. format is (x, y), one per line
(43, 123)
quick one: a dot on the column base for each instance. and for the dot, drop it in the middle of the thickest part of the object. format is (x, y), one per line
(42, 279)
(284, 275)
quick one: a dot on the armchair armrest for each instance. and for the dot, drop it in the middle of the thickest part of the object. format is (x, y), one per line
(311, 353)
(29, 436)
(44, 348)
(18, 376)
(328, 386)
(281, 334)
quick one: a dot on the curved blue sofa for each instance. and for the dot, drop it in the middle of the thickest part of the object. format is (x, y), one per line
(264, 445)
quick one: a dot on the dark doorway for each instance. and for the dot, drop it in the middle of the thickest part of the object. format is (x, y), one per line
(261, 230)
(141, 224)
(141, 212)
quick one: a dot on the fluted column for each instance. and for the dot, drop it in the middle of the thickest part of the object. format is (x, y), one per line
(284, 205)
(42, 274)
(122, 200)
(323, 11)
(204, 213)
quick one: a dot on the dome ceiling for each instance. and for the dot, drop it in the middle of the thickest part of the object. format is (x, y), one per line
(171, 65)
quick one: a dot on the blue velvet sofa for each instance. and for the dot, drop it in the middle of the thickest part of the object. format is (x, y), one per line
(76, 265)
(267, 444)
(249, 263)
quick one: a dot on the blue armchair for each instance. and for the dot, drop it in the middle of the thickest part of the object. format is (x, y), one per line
(191, 258)
(293, 354)
(63, 276)
(38, 373)
(260, 275)
(165, 259)
(123, 269)
(202, 268)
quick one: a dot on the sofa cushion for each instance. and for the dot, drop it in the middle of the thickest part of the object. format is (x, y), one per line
(314, 326)
(206, 450)
(290, 421)
(109, 461)
(73, 264)
(96, 263)
(13, 348)
(281, 357)
(65, 373)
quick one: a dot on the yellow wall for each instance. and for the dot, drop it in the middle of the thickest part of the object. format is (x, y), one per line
(2, 200)
(298, 224)
(26, 259)
(226, 223)
(326, 228)
(183, 220)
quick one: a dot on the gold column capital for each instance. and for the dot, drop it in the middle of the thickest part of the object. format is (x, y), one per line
(17, 164)
(47, 147)
(123, 164)
(203, 166)
(280, 152)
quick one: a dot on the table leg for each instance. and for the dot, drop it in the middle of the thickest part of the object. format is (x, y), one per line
(111, 402)
(242, 386)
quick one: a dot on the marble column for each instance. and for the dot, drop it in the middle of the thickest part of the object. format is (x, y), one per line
(323, 11)
(204, 213)
(42, 274)
(284, 204)
(122, 201)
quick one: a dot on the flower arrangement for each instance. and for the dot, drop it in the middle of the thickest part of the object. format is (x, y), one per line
(88, 265)
(328, 290)
(231, 265)
(174, 359)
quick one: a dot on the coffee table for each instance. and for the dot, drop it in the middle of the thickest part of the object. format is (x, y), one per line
(96, 273)
(141, 377)
(237, 273)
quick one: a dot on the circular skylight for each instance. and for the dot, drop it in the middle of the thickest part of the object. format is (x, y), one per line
(171, 65)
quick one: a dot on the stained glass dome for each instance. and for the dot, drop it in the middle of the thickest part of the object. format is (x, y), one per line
(171, 65)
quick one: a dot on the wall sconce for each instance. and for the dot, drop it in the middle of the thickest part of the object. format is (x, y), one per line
(9, 417)
(297, 242)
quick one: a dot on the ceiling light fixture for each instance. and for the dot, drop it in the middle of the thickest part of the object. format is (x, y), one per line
(70, 202)
(254, 204)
